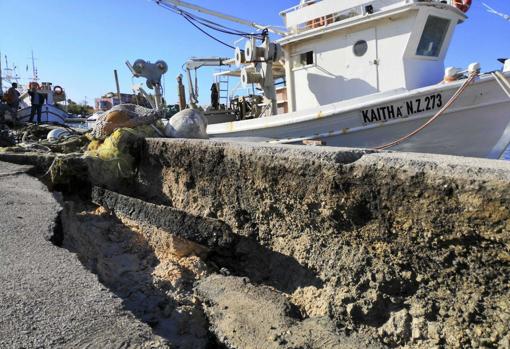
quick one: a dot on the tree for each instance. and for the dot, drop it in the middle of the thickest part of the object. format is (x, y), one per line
(79, 109)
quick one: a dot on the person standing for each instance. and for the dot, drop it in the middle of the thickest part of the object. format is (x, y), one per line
(12, 99)
(12, 96)
(37, 101)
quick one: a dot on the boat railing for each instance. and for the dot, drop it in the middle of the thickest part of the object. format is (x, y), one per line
(311, 14)
(298, 6)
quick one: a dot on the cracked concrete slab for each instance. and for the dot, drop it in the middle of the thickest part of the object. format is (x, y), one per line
(47, 298)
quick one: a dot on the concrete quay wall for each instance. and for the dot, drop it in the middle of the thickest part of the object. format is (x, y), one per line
(269, 191)
(362, 247)
(410, 248)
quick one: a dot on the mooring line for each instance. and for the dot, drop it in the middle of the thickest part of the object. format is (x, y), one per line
(452, 100)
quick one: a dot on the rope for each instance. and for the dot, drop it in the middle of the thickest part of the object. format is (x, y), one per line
(502, 82)
(207, 34)
(196, 21)
(452, 100)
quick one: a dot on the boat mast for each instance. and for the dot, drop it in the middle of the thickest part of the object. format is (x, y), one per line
(35, 78)
(177, 4)
(1, 87)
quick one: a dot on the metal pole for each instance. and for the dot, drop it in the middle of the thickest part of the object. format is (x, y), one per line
(117, 84)
(157, 88)
(181, 92)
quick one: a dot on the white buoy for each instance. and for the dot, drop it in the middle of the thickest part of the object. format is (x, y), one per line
(474, 67)
(188, 123)
(451, 74)
(57, 134)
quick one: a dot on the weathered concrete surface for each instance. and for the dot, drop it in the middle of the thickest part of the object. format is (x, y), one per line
(47, 298)
(410, 249)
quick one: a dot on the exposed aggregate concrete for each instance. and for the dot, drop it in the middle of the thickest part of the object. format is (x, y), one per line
(410, 249)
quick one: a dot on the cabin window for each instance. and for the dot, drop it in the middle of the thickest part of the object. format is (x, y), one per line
(433, 36)
(360, 48)
(304, 59)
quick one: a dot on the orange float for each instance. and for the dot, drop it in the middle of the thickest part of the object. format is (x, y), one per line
(462, 5)
(58, 91)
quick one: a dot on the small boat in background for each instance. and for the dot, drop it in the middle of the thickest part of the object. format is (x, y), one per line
(52, 112)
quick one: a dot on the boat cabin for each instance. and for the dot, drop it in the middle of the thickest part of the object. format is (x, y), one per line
(342, 49)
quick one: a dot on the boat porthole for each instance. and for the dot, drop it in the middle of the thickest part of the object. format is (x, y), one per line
(360, 48)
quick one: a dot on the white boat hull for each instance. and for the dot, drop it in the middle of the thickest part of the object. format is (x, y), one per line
(50, 114)
(476, 125)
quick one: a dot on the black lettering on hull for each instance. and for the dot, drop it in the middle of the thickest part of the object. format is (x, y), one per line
(403, 110)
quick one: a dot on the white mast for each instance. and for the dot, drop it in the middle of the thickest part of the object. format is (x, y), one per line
(35, 76)
(177, 3)
(1, 87)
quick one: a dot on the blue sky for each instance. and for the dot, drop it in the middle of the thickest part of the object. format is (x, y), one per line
(78, 43)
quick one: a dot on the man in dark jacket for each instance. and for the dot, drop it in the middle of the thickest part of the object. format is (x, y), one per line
(37, 100)
(12, 97)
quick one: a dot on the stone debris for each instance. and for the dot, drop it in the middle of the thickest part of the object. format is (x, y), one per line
(206, 231)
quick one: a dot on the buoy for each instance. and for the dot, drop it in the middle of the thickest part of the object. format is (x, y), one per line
(58, 90)
(452, 74)
(462, 5)
(57, 134)
(189, 123)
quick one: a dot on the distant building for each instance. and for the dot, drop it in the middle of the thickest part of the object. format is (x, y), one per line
(110, 100)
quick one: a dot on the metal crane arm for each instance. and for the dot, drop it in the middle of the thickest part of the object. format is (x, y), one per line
(196, 63)
(178, 3)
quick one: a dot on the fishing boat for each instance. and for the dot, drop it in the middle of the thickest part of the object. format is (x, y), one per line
(370, 74)
(50, 113)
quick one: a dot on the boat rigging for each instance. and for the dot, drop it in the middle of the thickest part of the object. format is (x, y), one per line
(361, 73)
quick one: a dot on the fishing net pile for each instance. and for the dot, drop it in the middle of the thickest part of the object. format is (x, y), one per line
(110, 152)
(124, 116)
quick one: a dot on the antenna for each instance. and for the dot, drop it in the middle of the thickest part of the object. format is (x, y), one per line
(1, 87)
(493, 11)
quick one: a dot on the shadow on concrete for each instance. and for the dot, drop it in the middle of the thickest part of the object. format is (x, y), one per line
(263, 266)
